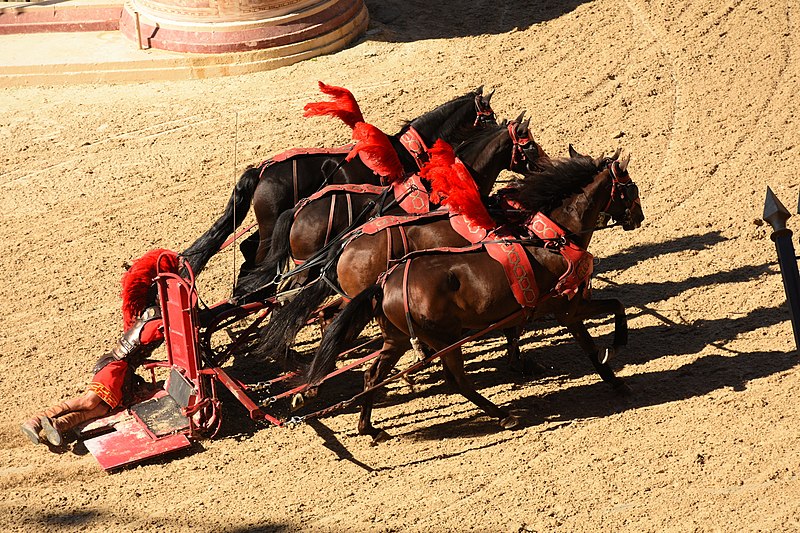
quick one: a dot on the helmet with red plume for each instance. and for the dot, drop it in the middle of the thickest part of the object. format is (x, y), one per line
(138, 291)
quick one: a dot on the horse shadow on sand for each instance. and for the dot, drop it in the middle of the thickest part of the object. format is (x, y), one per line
(558, 353)
(408, 21)
(564, 360)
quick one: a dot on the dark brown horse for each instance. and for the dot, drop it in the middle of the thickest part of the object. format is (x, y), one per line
(485, 155)
(436, 296)
(275, 186)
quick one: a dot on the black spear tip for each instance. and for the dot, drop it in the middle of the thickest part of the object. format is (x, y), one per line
(798, 207)
(774, 211)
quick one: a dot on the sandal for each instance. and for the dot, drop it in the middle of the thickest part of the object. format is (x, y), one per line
(31, 429)
(51, 432)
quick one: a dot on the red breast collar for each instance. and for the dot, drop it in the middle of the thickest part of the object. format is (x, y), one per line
(416, 147)
(580, 263)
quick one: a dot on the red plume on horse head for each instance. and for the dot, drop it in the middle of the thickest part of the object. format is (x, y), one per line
(137, 282)
(453, 186)
(376, 152)
(343, 106)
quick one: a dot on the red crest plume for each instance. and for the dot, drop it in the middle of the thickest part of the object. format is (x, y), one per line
(137, 283)
(376, 152)
(343, 106)
(453, 186)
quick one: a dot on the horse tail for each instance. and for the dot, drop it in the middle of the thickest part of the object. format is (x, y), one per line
(253, 285)
(210, 242)
(344, 329)
(285, 323)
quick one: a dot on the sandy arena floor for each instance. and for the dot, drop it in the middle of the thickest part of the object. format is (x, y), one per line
(702, 93)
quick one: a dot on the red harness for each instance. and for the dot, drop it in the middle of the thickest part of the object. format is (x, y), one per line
(580, 263)
(296, 152)
(410, 139)
(511, 255)
(412, 195)
(416, 147)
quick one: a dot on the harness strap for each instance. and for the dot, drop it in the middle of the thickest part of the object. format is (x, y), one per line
(294, 181)
(412, 195)
(297, 152)
(378, 224)
(406, 306)
(413, 143)
(403, 238)
(331, 213)
(389, 248)
(580, 263)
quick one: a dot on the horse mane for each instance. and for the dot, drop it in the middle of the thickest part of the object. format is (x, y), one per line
(546, 190)
(455, 109)
(453, 186)
(343, 106)
(474, 148)
(138, 291)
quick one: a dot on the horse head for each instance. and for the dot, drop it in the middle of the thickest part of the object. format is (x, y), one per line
(484, 114)
(526, 154)
(624, 206)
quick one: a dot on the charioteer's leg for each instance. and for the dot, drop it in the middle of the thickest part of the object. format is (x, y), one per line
(51, 423)
(81, 409)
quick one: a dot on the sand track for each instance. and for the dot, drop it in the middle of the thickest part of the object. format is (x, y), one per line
(704, 95)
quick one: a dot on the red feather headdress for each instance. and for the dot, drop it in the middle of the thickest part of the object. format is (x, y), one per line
(343, 106)
(376, 152)
(137, 283)
(453, 186)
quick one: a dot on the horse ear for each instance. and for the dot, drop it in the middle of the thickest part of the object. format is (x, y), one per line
(519, 118)
(479, 90)
(616, 154)
(489, 96)
(623, 165)
(573, 153)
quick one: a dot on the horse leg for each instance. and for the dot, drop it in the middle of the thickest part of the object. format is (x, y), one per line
(454, 362)
(395, 344)
(249, 248)
(606, 306)
(516, 361)
(578, 330)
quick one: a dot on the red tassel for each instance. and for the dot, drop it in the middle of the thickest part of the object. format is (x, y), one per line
(137, 283)
(453, 186)
(376, 151)
(343, 106)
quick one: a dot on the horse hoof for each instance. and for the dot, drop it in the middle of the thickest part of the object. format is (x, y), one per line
(607, 354)
(298, 401)
(509, 422)
(532, 367)
(623, 389)
(382, 436)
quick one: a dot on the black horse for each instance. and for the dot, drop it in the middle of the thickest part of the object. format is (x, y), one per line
(275, 186)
